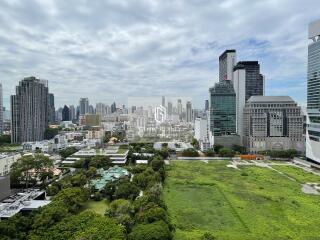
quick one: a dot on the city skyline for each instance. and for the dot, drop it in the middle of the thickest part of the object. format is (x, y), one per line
(86, 54)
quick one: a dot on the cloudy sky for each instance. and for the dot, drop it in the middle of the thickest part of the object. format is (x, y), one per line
(109, 50)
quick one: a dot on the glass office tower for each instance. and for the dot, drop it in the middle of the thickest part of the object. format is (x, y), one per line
(222, 109)
(313, 95)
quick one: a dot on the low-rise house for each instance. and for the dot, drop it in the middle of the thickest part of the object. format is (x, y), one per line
(106, 176)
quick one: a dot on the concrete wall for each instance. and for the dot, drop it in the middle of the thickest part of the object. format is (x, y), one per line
(4, 187)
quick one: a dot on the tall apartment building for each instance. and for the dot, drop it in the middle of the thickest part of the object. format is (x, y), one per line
(51, 110)
(227, 61)
(29, 110)
(83, 106)
(189, 117)
(169, 110)
(101, 109)
(313, 94)
(1, 110)
(222, 109)
(72, 112)
(272, 123)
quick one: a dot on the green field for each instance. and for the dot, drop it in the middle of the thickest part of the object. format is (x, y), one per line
(246, 204)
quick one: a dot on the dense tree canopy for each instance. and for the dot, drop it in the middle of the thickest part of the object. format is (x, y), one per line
(86, 225)
(153, 231)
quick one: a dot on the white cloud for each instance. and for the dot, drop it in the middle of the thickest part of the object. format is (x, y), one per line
(108, 50)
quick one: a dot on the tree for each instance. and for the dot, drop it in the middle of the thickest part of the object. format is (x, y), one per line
(84, 226)
(100, 162)
(68, 152)
(154, 231)
(152, 215)
(73, 198)
(195, 143)
(190, 152)
(210, 152)
(29, 168)
(5, 139)
(157, 163)
(50, 133)
(226, 152)
(126, 190)
(122, 211)
(50, 215)
(239, 149)
(217, 147)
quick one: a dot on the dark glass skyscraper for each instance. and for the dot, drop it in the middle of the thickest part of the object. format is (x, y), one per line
(29, 110)
(65, 113)
(254, 81)
(223, 109)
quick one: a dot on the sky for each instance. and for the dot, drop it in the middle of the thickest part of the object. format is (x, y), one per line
(110, 50)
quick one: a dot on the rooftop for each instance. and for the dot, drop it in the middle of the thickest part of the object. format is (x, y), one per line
(111, 174)
(270, 99)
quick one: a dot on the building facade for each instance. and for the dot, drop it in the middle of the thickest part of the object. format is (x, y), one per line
(189, 117)
(65, 113)
(227, 61)
(29, 110)
(253, 79)
(247, 82)
(313, 94)
(52, 110)
(83, 106)
(272, 123)
(222, 109)
(72, 112)
(1, 110)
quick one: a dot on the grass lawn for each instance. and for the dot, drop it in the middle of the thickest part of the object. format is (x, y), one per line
(298, 174)
(252, 203)
(99, 207)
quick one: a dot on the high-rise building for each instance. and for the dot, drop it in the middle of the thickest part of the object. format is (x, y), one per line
(222, 109)
(1, 109)
(179, 108)
(65, 113)
(227, 61)
(189, 117)
(29, 110)
(72, 112)
(163, 101)
(59, 115)
(108, 109)
(91, 109)
(252, 79)
(239, 85)
(272, 123)
(113, 107)
(101, 109)
(169, 110)
(52, 110)
(83, 106)
(206, 105)
(313, 94)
